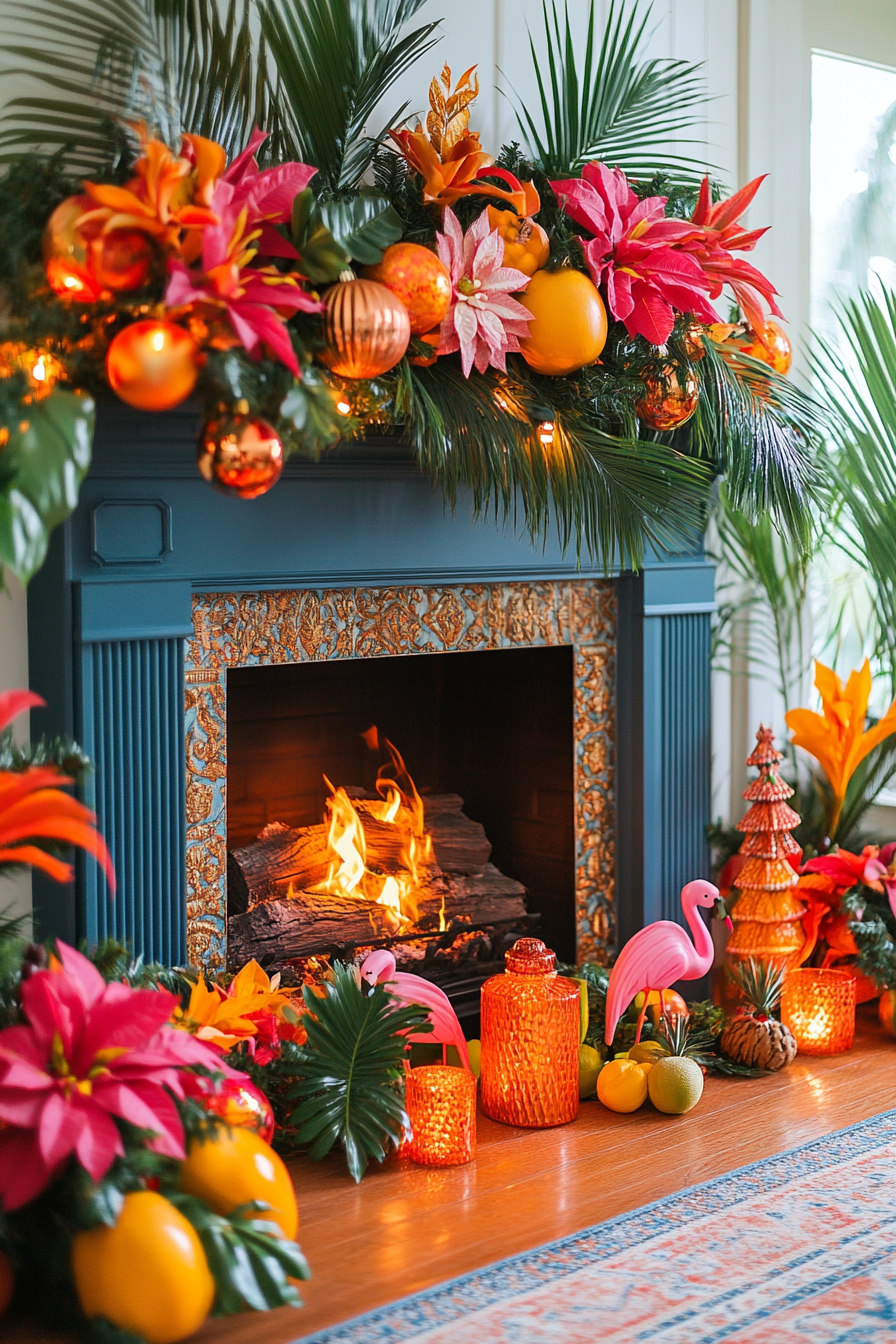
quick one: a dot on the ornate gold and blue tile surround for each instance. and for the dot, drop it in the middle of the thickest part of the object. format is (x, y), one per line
(157, 585)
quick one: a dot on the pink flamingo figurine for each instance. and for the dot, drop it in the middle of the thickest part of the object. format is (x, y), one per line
(660, 954)
(379, 969)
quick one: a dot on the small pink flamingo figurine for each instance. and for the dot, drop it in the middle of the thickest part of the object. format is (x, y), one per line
(660, 954)
(379, 968)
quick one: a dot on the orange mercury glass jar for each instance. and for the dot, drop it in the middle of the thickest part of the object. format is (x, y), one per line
(530, 1041)
(819, 1007)
(441, 1106)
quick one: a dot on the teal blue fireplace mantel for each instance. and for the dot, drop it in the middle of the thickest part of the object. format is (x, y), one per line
(111, 610)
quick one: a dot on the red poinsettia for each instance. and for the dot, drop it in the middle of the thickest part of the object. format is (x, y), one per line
(635, 253)
(91, 1053)
(718, 233)
(823, 883)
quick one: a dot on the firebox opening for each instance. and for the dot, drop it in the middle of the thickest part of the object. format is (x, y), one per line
(495, 727)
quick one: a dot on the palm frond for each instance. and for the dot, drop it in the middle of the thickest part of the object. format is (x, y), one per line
(350, 1090)
(611, 497)
(336, 60)
(612, 104)
(178, 65)
(859, 389)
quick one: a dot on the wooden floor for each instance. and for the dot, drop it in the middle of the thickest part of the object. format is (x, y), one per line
(406, 1227)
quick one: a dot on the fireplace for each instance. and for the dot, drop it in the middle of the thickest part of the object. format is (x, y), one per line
(217, 658)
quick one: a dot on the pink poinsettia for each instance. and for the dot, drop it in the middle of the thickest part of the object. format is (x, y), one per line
(267, 194)
(255, 299)
(634, 253)
(484, 323)
(717, 235)
(91, 1052)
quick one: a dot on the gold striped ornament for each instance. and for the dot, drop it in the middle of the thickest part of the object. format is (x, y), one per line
(367, 328)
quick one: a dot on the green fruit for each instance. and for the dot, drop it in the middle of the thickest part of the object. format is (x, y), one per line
(675, 1084)
(647, 1052)
(474, 1054)
(590, 1065)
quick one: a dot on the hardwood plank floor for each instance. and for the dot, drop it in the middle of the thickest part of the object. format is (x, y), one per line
(405, 1227)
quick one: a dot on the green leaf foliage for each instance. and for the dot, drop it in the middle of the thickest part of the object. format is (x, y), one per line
(365, 225)
(601, 99)
(336, 61)
(250, 1261)
(41, 469)
(351, 1089)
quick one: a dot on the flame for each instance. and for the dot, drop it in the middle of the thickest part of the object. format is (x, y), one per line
(399, 804)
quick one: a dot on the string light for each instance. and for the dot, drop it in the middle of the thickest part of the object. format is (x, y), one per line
(344, 407)
(546, 432)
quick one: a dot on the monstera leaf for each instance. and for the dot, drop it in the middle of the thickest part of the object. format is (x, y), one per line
(350, 1087)
(329, 235)
(42, 465)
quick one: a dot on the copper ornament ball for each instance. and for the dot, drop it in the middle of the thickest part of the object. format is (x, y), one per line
(668, 401)
(153, 364)
(367, 329)
(240, 456)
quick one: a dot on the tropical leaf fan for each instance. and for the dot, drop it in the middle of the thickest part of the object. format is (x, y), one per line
(351, 1090)
(615, 106)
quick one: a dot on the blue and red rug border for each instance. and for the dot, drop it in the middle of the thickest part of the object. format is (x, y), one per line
(517, 1274)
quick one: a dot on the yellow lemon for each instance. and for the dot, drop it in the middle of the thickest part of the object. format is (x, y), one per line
(646, 1051)
(148, 1274)
(675, 1084)
(590, 1065)
(622, 1085)
(235, 1166)
(474, 1055)
(568, 328)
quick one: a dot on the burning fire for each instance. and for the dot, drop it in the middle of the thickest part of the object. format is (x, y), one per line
(399, 805)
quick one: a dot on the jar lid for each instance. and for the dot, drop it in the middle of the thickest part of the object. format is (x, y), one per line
(529, 956)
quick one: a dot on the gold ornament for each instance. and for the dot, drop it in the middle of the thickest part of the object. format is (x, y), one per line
(367, 328)
(669, 399)
(241, 456)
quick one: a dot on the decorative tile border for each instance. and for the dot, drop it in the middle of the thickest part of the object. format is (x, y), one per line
(451, 1305)
(313, 625)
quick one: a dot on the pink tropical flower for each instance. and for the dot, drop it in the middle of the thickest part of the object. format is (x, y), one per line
(483, 322)
(91, 1052)
(254, 299)
(635, 253)
(267, 194)
(717, 235)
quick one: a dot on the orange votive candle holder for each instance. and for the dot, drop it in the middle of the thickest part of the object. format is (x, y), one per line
(819, 1007)
(441, 1106)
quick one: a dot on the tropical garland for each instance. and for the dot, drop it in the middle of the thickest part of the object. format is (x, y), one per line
(546, 337)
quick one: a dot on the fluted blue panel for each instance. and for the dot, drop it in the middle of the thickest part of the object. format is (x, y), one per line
(686, 755)
(132, 704)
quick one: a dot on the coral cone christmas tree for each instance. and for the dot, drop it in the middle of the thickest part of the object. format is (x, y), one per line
(767, 917)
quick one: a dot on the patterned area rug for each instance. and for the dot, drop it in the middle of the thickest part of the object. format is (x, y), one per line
(799, 1249)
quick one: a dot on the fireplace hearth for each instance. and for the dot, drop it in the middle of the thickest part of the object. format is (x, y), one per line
(568, 709)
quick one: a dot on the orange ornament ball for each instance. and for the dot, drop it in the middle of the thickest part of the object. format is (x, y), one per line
(65, 252)
(569, 322)
(886, 1011)
(240, 456)
(153, 365)
(776, 352)
(421, 281)
(239, 1103)
(121, 260)
(367, 329)
(668, 401)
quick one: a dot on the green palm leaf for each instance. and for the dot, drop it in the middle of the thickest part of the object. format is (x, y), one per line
(350, 1090)
(613, 105)
(336, 60)
(178, 65)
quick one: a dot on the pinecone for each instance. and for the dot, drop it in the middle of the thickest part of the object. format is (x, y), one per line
(755, 1037)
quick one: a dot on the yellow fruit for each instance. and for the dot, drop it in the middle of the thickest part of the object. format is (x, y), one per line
(474, 1054)
(674, 1004)
(590, 1065)
(583, 1009)
(675, 1084)
(148, 1274)
(569, 322)
(622, 1085)
(646, 1052)
(234, 1166)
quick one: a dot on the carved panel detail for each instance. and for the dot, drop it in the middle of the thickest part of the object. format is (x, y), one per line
(314, 625)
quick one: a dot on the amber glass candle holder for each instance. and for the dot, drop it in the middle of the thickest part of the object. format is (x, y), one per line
(819, 1007)
(441, 1106)
(530, 1041)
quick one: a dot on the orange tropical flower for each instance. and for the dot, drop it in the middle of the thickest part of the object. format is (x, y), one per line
(33, 807)
(448, 155)
(837, 737)
(225, 1017)
(169, 194)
